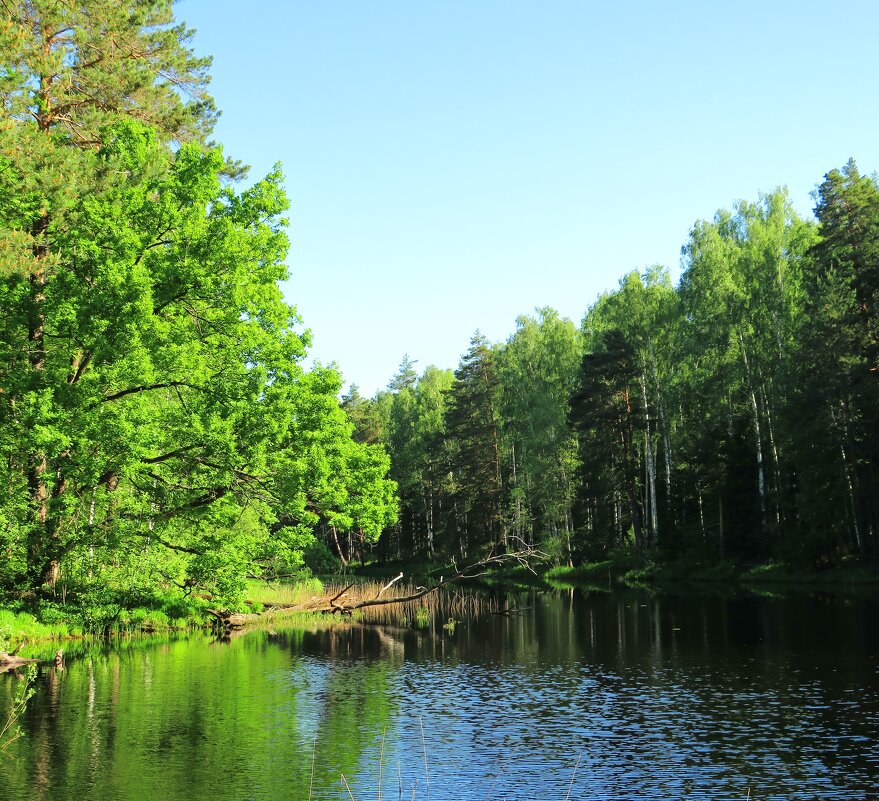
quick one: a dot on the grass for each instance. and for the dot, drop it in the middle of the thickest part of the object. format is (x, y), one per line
(101, 616)
(443, 604)
(588, 571)
(606, 571)
(294, 601)
(778, 573)
(18, 626)
(625, 570)
(280, 593)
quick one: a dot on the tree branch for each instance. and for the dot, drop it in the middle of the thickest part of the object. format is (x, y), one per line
(153, 537)
(147, 388)
(389, 584)
(170, 455)
(523, 556)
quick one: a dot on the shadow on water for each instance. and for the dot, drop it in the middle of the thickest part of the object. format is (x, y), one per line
(669, 696)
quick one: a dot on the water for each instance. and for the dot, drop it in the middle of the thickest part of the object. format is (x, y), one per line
(605, 696)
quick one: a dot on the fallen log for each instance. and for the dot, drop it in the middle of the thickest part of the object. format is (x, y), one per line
(12, 661)
(345, 603)
(232, 620)
(340, 604)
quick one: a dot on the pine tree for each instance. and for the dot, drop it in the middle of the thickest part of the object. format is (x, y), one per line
(472, 426)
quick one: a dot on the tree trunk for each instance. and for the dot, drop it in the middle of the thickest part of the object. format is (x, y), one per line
(631, 459)
(856, 527)
(339, 547)
(663, 427)
(773, 450)
(651, 465)
(429, 521)
(761, 477)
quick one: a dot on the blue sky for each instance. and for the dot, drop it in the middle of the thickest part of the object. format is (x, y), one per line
(455, 163)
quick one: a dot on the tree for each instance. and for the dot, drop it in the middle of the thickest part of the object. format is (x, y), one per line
(70, 69)
(70, 74)
(413, 431)
(168, 362)
(741, 298)
(370, 416)
(605, 412)
(325, 479)
(838, 391)
(644, 310)
(472, 425)
(155, 423)
(537, 371)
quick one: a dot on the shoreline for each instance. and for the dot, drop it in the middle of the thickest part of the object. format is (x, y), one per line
(606, 575)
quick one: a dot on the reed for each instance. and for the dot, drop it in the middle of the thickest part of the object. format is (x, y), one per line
(282, 593)
(442, 604)
(446, 603)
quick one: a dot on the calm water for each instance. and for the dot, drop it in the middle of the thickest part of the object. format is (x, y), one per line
(657, 698)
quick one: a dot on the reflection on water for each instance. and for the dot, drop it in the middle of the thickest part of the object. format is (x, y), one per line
(658, 698)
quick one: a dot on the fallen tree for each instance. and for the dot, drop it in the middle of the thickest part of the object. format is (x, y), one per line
(346, 601)
(12, 661)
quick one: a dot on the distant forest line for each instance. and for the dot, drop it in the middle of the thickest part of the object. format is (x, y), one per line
(735, 415)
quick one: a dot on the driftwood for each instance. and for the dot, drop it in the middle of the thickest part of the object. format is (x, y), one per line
(232, 620)
(522, 557)
(342, 604)
(339, 605)
(12, 661)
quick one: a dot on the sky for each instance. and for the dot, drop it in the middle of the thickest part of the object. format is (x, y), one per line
(453, 164)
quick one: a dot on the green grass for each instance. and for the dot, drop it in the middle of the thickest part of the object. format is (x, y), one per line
(18, 626)
(780, 573)
(624, 569)
(263, 594)
(600, 572)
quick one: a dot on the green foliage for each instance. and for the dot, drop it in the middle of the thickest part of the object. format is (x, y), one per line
(18, 626)
(733, 418)
(537, 371)
(10, 731)
(473, 428)
(837, 395)
(319, 560)
(161, 441)
(157, 429)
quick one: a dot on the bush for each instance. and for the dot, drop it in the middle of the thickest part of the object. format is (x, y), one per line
(319, 560)
(155, 620)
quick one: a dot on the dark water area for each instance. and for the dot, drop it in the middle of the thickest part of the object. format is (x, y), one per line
(605, 696)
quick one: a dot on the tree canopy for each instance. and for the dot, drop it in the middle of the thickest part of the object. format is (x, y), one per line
(158, 427)
(731, 416)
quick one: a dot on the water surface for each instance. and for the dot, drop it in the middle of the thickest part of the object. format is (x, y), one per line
(626, 695)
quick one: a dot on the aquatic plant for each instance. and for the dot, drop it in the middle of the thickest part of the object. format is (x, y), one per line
(10, 731)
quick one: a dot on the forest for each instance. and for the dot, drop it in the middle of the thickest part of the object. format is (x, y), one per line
(160, 432)
(734, 416)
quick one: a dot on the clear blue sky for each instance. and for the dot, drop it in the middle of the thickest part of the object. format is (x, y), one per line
(455, 163)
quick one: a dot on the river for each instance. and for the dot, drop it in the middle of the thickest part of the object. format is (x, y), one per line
(590, 695)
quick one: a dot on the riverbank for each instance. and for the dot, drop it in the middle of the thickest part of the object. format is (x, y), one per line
(308, 598)
(626, 570)
(55, 619)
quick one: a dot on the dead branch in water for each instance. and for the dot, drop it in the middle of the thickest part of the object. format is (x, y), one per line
(342, 604)
(523, 556)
